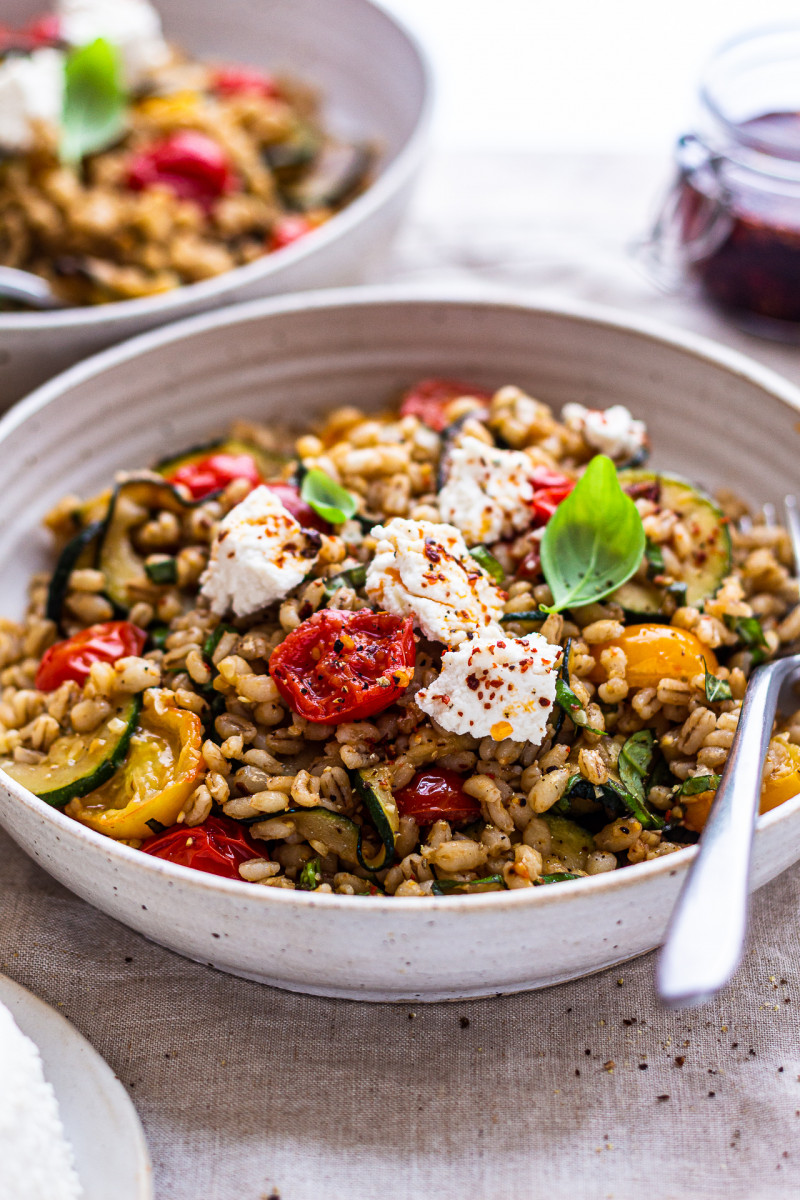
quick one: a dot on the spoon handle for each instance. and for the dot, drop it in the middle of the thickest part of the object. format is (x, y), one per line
(706, 933)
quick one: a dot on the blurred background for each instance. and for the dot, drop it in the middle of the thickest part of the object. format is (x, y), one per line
(575, 75)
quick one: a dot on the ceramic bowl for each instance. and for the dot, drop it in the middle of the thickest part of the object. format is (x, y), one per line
(375, 85)
(712, 414)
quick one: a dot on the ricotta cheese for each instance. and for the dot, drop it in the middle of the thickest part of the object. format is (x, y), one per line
(424, 570)
(133, 26)
(31, 89)
(495, 686)
(35, 1158)
(259, 553)
(612, 431)
(488, 492)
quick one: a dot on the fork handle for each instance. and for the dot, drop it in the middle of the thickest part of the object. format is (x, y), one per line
(706, 933)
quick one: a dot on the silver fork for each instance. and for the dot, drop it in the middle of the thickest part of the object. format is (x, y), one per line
(704, 941)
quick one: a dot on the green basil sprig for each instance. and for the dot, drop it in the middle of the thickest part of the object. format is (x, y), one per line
(698, 784)
(566, 699)
(95, 100)
(328, 499)
(484, 558)
(594, 541)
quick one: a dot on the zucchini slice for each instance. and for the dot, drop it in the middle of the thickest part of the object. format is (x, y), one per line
(337, 173)
(77, 763)
(489, 883)
(338, 833)
(78, 552)
(269, 462)
(710, 562)
(570, 842)
(372, 786)
(117, 558)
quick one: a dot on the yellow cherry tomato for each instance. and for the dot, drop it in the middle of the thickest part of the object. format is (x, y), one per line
(656, 652)
(157, 778)
(774, 791)
(170, 110)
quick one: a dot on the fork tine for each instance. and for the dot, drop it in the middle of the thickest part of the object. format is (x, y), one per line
(792, 511)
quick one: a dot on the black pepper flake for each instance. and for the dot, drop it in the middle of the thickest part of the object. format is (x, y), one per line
(662, 1098)
(642, 1066)
(711, 1095)
(464, 1022)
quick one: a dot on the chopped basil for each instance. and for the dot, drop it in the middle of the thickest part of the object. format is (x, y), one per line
(749, 632)
(490, 883)
(698, 784)
(655, 559)
(328, 498)
(163, 570)
(716, 689)
(566, 699)
(557, 877)
(594, 541)
(311, 875)
(487, 560)
(95, 100)
(158, 636)
(635, 764)
(214, 639)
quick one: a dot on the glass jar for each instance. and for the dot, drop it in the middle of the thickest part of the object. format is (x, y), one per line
(731, 222)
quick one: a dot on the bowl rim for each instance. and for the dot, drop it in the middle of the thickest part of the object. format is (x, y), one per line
(376, 296)
(167, 306)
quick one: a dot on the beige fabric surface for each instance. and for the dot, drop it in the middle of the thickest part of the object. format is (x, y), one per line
(588, 1090)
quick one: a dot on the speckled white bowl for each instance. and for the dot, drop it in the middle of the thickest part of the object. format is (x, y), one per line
(375, 84)
(713, 415)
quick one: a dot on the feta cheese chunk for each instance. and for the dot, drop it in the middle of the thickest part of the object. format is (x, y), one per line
(37, 1159)
(495, 685)
(425, 571)
(133, 26)
(31, 89)
(488, 492)
(259, 553)
(612, 431)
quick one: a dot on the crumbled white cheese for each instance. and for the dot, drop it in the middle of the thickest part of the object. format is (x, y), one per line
(424, 570)
(495, 685)
(36, 1158)
(133, 26)
(488, 492)
(612, 431)
(259, 553)
(31, 89)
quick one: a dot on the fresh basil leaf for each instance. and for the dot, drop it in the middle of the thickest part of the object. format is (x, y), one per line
(698, 784)
(566, 699)
(353, 577)
(655, 559)
(95, 100)
(635, 759)
(594, 541)
(750, 633)
(487, 560)
(328, 499)
(310, 876)
(489, 883)
(558, 877)
(716, 689)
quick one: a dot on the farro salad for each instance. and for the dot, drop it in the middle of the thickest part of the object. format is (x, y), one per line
(128, 169)
(461, 646)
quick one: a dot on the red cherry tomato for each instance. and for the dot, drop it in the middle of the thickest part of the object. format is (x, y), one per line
(291, 499)
(73, 658)
(429, 398)
(243, 81)
(287, 230)
(210, 474)
(218, 847)
(344, 666)
(41, 31)
(192, 165)
(436, 795)
(549, 489)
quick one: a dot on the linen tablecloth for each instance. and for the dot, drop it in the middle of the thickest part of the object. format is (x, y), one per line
(586, 1090)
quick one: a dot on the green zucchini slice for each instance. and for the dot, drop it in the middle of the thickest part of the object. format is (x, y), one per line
(570, 842)
(701, 574)
(337, 173)
(338, 833)
(117, 558)
(448, 887)
(78, 552)
(269, 462)
(373, 787)
(77, 763)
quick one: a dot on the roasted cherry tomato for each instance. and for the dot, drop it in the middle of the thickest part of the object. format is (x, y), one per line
(549, 489)
(656, 652)
(193, 166)
(243, 81)
(219, 846)
(218, 470)
(290, 498)
(161, 771)
(436, 795)
(774, 791)
(430, 398)
(287, 230)
(73, 658)
(41, 31)
(344, 666)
